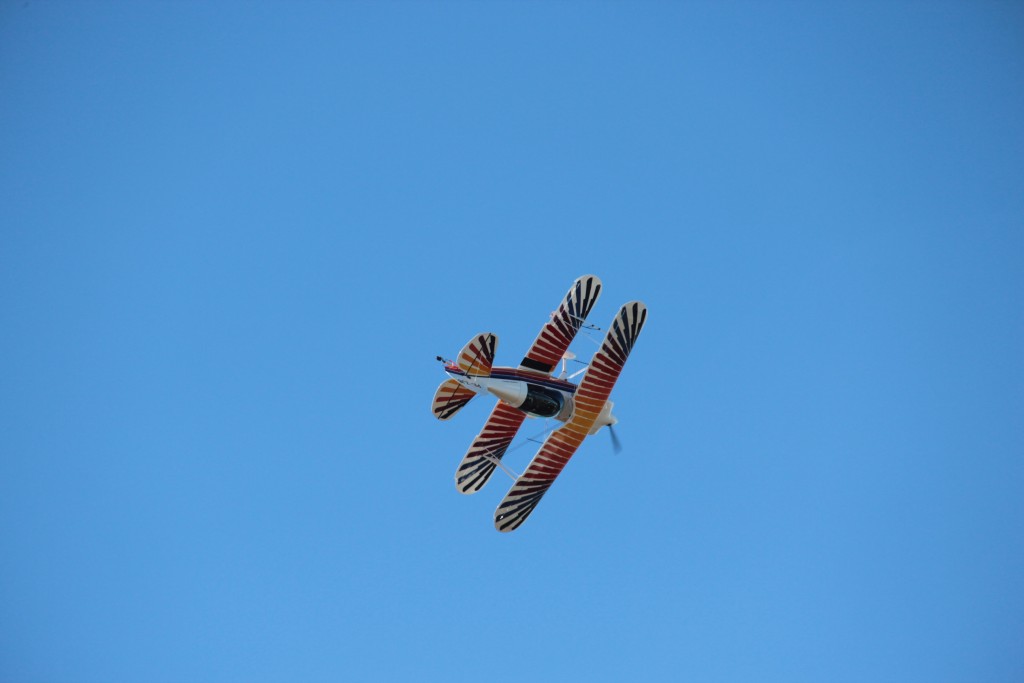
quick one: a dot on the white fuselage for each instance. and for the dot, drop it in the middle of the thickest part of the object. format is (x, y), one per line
(534, 394)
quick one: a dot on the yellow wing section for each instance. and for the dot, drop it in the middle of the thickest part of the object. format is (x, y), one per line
(590, 398)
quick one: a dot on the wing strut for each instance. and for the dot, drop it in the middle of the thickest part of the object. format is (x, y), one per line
(504, 468)
(488, 447)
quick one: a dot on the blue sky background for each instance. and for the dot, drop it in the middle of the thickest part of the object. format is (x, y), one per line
(235, 235)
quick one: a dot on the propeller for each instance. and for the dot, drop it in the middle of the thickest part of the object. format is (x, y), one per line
(616, 444)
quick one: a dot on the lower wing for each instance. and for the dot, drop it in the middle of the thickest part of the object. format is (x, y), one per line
(590, 398)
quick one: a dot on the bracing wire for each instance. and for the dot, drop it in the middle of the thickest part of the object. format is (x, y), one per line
(497, 461)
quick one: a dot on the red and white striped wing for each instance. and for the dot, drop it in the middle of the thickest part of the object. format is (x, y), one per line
(558, 333)
(492, 442)
(590, 398)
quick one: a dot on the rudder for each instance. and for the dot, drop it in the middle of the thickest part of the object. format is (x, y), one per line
(477, 356)
(475, 359)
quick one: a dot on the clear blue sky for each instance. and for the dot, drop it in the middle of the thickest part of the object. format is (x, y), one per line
(235, 235)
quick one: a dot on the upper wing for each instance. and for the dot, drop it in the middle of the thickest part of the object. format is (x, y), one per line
(492, 442)
(557, 333)
(590, 398)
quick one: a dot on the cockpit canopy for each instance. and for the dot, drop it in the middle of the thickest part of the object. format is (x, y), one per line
(542, 402)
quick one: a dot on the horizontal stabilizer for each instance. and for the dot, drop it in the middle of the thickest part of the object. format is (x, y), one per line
(450, 398)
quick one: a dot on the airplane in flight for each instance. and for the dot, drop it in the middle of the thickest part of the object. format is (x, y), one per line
(531, 390)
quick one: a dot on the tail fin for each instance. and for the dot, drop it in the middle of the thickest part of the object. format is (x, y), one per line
(477, 356)
(450, 398)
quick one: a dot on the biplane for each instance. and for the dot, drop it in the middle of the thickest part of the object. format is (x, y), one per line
(532, 390)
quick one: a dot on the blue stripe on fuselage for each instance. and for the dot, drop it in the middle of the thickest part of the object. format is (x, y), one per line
(516, 374)
(549, 382)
